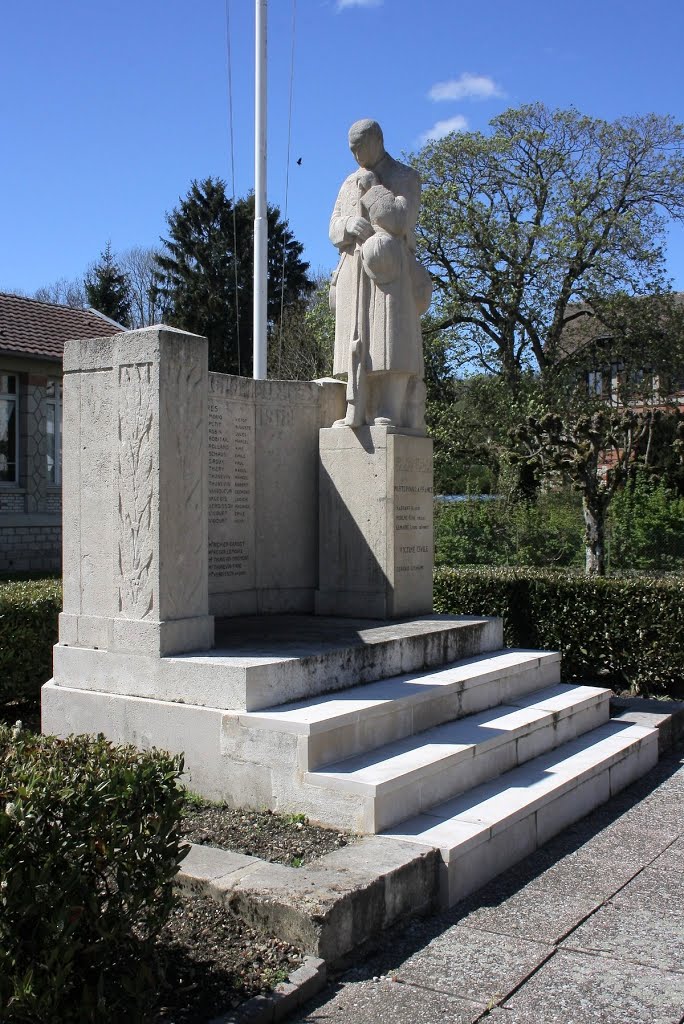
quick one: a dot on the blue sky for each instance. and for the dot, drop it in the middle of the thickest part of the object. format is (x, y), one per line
(109, 110)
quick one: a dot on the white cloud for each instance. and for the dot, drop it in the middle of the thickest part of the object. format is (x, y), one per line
(467, 86)
(442, 128)
(341, 4)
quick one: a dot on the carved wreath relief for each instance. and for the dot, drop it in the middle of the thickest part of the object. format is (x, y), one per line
(182, 389)
(135, 471)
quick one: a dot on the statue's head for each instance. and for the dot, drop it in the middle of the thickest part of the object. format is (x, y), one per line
(366, 143)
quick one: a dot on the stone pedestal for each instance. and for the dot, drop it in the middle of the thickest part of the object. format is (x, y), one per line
(375, 523)
(135, 494)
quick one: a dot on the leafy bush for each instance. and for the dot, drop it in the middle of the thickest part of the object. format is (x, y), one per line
(499, 532)
(646, 527)
(89, 845)
(28, 631)
(625, 632)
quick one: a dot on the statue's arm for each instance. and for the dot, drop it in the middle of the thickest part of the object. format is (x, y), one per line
(345, 230)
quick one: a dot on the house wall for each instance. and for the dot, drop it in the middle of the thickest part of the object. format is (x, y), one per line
(31, 508)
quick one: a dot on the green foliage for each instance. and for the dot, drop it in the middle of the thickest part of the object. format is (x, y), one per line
(620, 632)
(594, 452)
(550, 208)
(647, 527)
(546, 532)
(469, 421)
(28, 631)
(301, 344)
(107, 288)
(89, 845)
(206, 249)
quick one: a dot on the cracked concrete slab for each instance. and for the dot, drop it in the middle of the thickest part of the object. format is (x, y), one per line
(633, 935)
(373, 1002)
(474, 964)
(574, 988)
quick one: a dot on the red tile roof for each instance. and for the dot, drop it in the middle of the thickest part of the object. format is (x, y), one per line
(39, 329)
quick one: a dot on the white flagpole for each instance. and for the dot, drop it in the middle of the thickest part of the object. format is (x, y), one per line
(260, 208)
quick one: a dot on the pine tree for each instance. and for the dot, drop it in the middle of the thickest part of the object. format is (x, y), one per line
(197, 270)
(107, 288)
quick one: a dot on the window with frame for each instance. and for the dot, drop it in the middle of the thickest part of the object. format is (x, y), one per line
(595, 383)
(53, 430)
(9, 428)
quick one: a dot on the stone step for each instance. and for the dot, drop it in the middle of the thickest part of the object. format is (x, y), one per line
(485, 831)
(413, 774)
(335, 726)
(263, 661)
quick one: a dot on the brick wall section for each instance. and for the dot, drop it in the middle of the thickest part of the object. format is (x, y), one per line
(12, 501)
(30, 548)
(53, 502)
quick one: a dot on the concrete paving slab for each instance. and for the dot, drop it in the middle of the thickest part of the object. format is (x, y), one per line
(474, 964)
(627, 844)
(540, 910)
(658, 886)
(573, 988)
(369, 1002)
(633, 935)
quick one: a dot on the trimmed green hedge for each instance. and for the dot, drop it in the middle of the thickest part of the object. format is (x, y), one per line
(625, 632)
(90, 841)
(28, 631)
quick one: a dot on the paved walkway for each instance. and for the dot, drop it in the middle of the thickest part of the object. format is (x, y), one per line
(589, 929)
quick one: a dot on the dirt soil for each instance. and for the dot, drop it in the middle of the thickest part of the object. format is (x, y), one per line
(212, 962)
(281, 839)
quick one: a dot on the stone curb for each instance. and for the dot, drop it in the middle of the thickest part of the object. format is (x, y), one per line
(667, 716)
(327, 908)
(303, 984)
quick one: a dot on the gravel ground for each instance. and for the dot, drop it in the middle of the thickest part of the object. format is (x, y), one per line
(282, 839)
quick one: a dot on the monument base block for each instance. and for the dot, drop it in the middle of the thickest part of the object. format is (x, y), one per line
(375, 523)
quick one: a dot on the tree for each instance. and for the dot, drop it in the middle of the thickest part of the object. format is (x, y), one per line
(139, 264)
(63, 292)
(594, 452)
(301, 345)
(553, 208)
(204, 273)
(107, 288)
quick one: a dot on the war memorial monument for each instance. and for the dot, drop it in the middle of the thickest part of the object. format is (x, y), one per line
(248, 580)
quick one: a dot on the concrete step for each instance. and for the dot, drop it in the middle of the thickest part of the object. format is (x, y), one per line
(485, 831)
(362, 718)
(411, 775)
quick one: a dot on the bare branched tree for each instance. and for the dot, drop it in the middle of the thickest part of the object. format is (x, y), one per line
(64, 292)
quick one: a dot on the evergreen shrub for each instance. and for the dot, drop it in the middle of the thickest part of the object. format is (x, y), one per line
(545, 532)
(28, 631)
(625, 632)
(647, 527)
(89, 845)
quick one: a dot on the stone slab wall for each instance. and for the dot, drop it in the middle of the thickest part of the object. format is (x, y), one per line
(186, 494)
(376, 543)
(263, 491)
(135, 493)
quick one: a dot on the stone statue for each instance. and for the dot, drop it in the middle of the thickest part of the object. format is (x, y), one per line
(379, 289)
